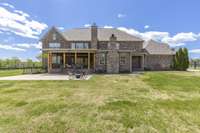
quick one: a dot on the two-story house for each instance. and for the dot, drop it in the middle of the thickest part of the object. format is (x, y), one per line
(105, 50)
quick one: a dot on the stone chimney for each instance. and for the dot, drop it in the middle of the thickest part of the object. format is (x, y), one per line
(94, 36)
(113, 38)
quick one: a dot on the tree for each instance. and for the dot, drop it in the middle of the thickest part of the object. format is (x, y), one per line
(181, 60)
(186, 58)
(29, 63)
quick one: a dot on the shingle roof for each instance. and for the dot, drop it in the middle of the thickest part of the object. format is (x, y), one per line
(84, 34)
(156, 48)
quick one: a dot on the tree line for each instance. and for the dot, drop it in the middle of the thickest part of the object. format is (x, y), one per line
(16, 63)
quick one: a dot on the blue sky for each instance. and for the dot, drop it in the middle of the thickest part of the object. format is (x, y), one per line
(23, 22)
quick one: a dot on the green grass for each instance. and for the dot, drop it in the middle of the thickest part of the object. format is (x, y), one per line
(166, 102)
(4, 73)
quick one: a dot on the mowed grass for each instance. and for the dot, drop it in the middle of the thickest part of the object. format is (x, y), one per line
(164, 102)
(4, 73)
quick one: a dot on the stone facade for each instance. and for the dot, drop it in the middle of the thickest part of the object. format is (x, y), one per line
(124, 62)
(158, 62)
(112, 62)
(111, 56)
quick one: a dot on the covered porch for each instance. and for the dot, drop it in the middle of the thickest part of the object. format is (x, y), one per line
(71, 61)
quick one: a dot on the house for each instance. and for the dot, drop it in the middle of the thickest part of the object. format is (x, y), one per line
(105, 50)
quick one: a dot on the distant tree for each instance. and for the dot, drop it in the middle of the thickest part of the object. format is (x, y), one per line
(29, 63)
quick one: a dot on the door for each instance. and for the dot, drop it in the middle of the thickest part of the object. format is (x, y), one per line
(136, 62)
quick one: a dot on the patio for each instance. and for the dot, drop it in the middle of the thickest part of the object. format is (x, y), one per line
(44, 77)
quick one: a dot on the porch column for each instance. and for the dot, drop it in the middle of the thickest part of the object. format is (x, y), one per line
(75, 58)
(131, 62)
(89, 61)
(49, 61)
(94, 59)
(143, 62)
(64, 60)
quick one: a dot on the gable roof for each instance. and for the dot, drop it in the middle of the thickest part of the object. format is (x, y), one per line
(53, 29)
(157, 48)
(104, 34)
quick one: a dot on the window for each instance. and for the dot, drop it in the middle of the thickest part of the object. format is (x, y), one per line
(54, 36)
(122, 60)
(102, 60)
(56, 59)
(54, 45)
(80, 45)
(73, 46)
(117, 46)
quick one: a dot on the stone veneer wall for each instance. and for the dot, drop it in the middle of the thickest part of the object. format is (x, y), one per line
(135, 46)
(112, 62)
(99, 67)
(158, 62)
(124, 67)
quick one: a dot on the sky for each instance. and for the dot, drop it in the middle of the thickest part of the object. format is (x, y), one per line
(24, 22)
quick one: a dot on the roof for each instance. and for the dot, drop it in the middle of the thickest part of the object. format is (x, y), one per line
(104, 34)
(157, 48)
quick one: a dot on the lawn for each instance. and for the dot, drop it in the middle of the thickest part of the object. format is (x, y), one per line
(4, 73)
(166, 102)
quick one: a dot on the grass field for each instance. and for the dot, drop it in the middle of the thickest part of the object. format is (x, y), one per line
(164, 102)
(4, 73)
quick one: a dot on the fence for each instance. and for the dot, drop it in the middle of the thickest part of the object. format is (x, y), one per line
(27, 70)
(195, 65)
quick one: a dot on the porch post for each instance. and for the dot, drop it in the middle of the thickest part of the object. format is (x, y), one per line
(75, 58)
(64, 60)
(131, 62)
(49, 61)
(94, 61)
(143, 62)
(89, 61)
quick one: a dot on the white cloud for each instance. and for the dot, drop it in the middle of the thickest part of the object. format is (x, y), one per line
(146, 26)
(29, 45)
(181, 37)
(61, 28)
(20, 23)
(195, 51)
(87, 25)
(21, 13)
(177, 40)
(7, 5)
(108, 27)
(120, 15)
(9, 47)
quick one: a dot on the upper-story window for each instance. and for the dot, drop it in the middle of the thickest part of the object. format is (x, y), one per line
(54, 45)
(54, 36)
(80, 45)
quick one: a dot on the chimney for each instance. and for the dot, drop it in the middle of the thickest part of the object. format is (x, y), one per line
(94, 36)
(113, 38)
